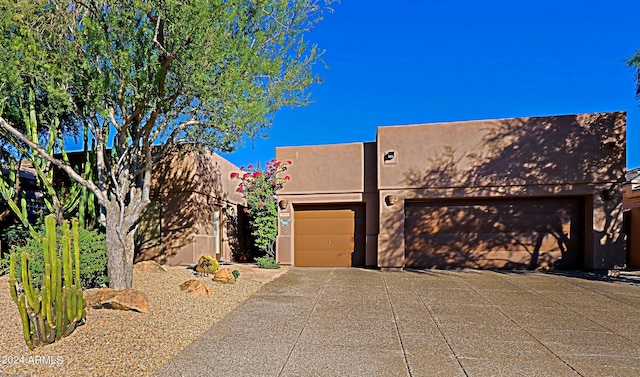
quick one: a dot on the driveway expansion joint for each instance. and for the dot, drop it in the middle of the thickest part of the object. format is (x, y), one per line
(395, 323)
(438, 326)
(496, 307)
(306, 321)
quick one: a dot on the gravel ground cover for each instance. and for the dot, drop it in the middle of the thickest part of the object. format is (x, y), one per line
(122, 343)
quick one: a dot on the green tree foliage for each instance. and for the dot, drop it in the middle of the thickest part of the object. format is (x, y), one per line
(33, 100)
(259, 188)
(143, 73)
(634, 62)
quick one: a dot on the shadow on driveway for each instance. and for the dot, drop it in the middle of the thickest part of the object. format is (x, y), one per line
(356, 322)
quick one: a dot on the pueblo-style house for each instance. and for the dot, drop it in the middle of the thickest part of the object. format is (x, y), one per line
(521, 193)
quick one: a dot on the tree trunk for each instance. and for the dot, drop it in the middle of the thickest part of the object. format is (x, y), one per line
(120, 247)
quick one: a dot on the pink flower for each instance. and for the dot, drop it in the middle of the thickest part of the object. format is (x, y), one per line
(277, 163)
(260, 205)
(250, 166)
(234, 175)
(287, 178)
(245, 175)
(239, 189)
(256, 174)
(245, 210)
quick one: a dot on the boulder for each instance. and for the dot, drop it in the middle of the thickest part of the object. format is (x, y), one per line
(196, 288)
(149, 265)
(207, 264)
(224, 276)
(107, 298)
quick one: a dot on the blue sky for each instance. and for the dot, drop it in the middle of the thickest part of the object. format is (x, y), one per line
(423, 61)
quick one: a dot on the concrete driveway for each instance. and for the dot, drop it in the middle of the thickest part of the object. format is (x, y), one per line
(355, 322)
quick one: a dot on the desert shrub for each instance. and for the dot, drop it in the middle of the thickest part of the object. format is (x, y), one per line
(267, 262)
(93, 259)
(14, 235)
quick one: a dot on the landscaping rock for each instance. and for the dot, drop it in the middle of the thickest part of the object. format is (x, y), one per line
(224, 276)
(207, 265)
(196, 288)
(107, 298)
(149, 265)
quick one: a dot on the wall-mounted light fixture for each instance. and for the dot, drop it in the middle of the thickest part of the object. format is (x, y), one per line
(283, 204)
(390, 158)
(390, 199)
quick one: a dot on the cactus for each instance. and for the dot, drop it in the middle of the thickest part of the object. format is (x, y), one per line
(58, 307)
(7, 192)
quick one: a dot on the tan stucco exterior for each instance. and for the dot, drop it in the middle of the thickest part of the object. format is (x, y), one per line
(577, 156)
(328, 174)
(190, 187)
(631, 204)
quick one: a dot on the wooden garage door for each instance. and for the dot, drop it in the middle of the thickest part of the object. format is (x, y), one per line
(495, 233)
(329, 236)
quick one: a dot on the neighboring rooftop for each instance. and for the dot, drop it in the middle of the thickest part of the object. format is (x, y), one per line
(633, 177)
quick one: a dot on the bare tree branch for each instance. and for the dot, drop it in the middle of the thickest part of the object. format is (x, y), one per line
(102, 198)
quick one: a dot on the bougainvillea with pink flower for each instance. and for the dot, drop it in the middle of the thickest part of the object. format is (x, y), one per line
(259, 187)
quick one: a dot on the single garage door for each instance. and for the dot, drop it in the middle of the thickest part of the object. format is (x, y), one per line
(495, 233)
(329, 236)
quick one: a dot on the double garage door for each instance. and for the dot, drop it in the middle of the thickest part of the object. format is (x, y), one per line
(495, 233)
(329, 235)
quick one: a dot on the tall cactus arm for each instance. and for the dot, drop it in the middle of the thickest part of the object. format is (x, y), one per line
(66, 259)
(47, 295)
(80, 306)
(51, 244)
(76, 250)
(26, 332)
(9, 190)
(23, 210)
(30, 118)
(12, 277)
(60, 320)
(69, 301)
(32, 299)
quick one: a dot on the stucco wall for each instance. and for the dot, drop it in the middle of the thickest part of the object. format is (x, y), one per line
(576, 155)
(587, 148)
(193, 171)
(191, 185)
(339, 173)
(631, 203)
(321, 169)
